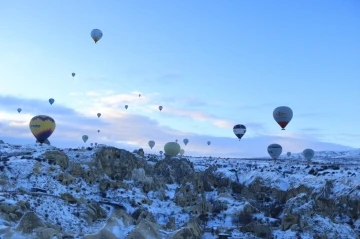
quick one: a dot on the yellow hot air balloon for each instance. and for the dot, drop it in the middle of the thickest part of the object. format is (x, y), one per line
(42, 126)
(172, 148)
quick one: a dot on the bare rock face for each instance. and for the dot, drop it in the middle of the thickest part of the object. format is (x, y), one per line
(258, 229)
(29, 222)
(173, 170)
(191, 230)
(146, 229)
(118, 164)
(93, 213)
(58, 158)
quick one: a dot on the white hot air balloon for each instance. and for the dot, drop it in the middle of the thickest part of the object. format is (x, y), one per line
(186, 141)
(283, 115)
(96, 35)
(308, 154)
(274, 151)
(151, 143)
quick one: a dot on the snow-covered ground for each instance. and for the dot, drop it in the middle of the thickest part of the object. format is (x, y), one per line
(18, 163)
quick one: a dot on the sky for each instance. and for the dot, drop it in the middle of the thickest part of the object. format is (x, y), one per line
(210, 64)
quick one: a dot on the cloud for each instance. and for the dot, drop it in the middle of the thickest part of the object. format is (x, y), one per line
(123, 129)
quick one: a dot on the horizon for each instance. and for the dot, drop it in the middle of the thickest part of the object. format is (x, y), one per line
(211, 66)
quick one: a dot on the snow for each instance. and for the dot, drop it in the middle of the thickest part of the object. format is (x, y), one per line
(288, 172)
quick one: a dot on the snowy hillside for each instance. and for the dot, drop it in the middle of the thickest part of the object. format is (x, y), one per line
(105, 192)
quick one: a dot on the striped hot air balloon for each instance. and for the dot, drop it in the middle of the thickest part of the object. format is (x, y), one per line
(42, 127)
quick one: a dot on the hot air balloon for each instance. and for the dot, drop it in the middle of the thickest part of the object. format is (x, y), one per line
(288, 154)
(96, 35)
(274, 150)
(42, 127)
(139, 95)
(186, 141)
(98, 131)
(19, 110)
(239, 130)
(98, 115)
(308, 154)
(283, 115)
(161, 152)
(176, 140)
(126, 106)
(51, 101)
(85, 138)
(151, 143)
(160, 108)
(172, 148)
(73, 74)
(208, 142)
(96, 144)
(182, 152)
(91, 144)
(45, 142)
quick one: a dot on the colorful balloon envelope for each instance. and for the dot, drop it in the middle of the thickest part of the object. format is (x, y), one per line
(42, 127)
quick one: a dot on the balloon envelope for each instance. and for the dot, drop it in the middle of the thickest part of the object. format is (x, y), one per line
(151, 143)
(288, 154)
(239, 130)
(274, 150)
(96, 35)
(172, 148)
(308, 154)
(19, 110)
(182, 152)
(126, 106)
(85, 138)
(73, 74)
(186, 141)
(208, 142)
(160, 108)
(51, 101)
(42, 126)
(282, 115)
(98, 115)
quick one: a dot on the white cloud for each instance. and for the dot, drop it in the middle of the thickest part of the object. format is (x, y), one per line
(123, 128)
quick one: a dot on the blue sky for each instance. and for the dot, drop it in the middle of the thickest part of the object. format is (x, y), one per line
(210, 64)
